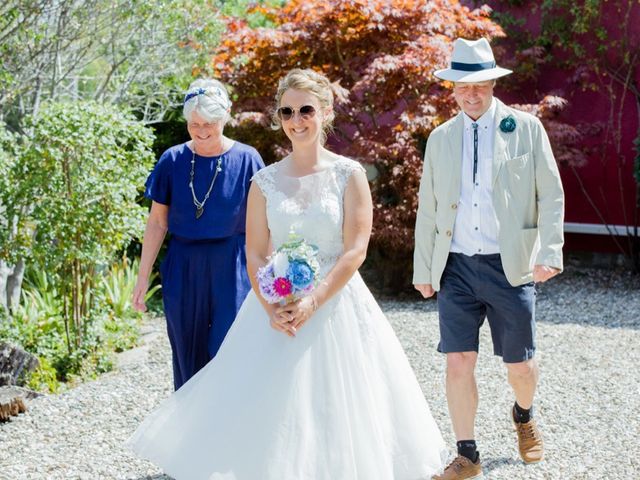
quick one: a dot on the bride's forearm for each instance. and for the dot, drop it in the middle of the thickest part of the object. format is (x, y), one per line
(340, 274)
(356, 230)
(255, 262)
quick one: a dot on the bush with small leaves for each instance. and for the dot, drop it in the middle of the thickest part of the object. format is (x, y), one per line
(81, 170)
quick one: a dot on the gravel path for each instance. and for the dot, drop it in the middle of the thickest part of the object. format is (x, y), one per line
(589, 395)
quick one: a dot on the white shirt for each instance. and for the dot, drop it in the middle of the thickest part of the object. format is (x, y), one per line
(476, 228)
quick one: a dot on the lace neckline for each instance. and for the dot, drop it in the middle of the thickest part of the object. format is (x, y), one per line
(328, 169)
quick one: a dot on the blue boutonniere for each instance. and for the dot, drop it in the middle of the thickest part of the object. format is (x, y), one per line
(508, 124)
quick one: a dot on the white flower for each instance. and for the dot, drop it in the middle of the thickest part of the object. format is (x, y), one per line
(280, 264)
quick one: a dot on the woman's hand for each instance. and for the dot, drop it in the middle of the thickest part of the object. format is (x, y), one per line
(298, 312)
(281, 320)
(139, 292)
(153, 236)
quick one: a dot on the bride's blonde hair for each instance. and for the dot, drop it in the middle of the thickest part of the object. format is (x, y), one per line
(309, 81)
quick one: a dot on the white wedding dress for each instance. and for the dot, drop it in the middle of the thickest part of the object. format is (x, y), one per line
(337, 402)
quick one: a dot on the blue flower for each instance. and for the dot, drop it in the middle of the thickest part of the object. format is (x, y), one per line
(300, 274)
(508, 124)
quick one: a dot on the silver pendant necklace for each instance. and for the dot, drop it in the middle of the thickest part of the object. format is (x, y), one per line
(200, 204)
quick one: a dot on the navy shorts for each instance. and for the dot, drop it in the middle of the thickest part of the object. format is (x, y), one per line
(475, 288)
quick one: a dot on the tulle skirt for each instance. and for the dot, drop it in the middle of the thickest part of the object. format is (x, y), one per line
(337, 402)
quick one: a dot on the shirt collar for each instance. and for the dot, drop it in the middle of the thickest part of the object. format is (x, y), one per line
(485, 121)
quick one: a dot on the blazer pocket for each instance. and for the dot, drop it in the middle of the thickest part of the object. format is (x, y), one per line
(518, 177)
(528, 247)
(518, 162)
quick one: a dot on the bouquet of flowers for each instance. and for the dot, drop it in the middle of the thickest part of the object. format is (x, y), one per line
(290, 273)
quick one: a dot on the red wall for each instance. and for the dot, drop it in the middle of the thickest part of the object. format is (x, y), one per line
(607, 177)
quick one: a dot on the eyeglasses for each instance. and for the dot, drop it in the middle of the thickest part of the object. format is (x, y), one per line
(306, 112)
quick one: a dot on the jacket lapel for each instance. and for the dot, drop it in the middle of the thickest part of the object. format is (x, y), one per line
(500, 142)
(455, 154)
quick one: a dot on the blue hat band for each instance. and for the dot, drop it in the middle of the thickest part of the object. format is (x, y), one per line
(472, 67)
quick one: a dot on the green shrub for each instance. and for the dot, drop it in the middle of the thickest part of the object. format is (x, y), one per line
(38, 326)
(82, 167)
(45, 378)
(116, 289)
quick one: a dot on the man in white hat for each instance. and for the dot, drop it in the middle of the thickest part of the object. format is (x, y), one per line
(489, 225)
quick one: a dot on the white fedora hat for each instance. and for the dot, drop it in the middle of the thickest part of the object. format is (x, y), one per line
(471, 61)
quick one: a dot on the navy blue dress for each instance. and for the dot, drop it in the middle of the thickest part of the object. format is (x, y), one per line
(204, 274)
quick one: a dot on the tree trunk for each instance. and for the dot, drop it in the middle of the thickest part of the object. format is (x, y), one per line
(13, 401)
(4, 277)
(14, 285)
(11, 277)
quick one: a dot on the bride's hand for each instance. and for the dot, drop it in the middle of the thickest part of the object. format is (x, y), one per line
(281, 321)
(300, 311)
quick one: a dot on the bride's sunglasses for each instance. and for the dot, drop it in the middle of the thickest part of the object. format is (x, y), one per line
(306, 112)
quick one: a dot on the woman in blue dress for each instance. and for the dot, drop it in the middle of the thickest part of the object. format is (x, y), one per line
(199, 195)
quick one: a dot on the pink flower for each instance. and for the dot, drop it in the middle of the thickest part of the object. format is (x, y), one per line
(282, 286)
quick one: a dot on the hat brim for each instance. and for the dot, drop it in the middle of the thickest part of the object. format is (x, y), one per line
(479, 76)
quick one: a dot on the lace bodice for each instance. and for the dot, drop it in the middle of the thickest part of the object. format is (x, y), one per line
(311, 206)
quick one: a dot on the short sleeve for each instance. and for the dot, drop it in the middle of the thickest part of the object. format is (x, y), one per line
(345, 169)
(158, 184)
(257, 163)
(264, 179)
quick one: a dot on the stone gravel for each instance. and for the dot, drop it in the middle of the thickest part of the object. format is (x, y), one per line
(587, 403)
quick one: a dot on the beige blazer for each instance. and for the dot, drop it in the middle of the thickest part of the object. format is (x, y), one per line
(527, 197)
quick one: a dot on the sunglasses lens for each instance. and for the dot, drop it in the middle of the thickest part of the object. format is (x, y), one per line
(307, 111)
(285, 113)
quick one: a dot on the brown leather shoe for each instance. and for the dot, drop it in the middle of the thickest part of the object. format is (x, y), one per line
(461, 468)
(529, 440)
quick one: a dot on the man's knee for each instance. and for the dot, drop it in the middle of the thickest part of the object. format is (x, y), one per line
(523, 369)
(461, 364)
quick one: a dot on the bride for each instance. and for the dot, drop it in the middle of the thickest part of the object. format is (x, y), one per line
(319, 389)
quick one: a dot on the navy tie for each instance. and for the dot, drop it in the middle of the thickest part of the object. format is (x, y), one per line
(475, 151)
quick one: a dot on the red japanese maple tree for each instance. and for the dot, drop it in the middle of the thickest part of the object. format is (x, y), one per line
(381, 54)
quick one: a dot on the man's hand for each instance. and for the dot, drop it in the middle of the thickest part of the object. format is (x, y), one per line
(542, 273)
(425, 289)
